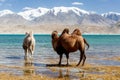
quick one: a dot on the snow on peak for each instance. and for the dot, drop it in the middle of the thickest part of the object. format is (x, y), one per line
(78, 11)
(114, 13)
(30, 14)
(5, 12)
(59, 9)
(110, 13)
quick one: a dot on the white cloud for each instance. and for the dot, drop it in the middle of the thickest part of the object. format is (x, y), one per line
(77, 3)
(27, 8)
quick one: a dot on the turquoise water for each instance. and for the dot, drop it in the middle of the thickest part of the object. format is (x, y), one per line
(102, 48)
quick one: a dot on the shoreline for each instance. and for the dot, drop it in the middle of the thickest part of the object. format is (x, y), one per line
(50, 34)
(87, 72)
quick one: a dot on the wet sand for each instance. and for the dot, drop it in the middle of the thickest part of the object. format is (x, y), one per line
(53, 71)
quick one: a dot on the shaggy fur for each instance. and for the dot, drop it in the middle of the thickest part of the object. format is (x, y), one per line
(29, 44)
(67, 43)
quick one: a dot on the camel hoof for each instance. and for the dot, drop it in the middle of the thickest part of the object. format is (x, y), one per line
(67, 64)
(82, 64)
(77, 65)
(59, 64)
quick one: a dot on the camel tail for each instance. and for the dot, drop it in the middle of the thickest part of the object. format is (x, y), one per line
(86, 44)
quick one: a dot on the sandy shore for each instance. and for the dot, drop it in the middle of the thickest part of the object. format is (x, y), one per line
(55, 72)
(87, 72)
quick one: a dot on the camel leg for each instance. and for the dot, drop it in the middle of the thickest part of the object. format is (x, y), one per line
(81, 57)
(26, 53)
(60, 59)
(32, 49)
(84, 59)
(67, 56)
(31, 52)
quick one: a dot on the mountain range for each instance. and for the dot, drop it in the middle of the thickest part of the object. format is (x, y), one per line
(59, 16)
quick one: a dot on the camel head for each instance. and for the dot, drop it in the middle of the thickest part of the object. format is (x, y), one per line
(55, 38)
(77, 32)
(29, 33)
(54, 35)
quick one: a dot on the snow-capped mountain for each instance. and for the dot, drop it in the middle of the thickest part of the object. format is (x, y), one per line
(31, 14)
(62, 15)
(12, 19)
(9, 17)
(77, 11)
(58, 18)
(112, 15)
(57, 15)
(5, 12)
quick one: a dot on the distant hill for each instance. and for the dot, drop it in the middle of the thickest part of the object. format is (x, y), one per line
(112, 15)
(62, 16)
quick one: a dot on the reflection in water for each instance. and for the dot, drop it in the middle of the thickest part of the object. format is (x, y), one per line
(62, 75)
(28, 67)
(71, 74)
(82, 74)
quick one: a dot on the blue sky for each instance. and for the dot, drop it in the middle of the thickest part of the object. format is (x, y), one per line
(98, 6)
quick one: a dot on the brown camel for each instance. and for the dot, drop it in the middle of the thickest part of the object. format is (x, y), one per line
(29, 44)
(77, 32)
(67, 43)
(56, 46)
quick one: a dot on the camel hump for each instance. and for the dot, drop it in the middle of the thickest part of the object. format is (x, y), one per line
(66, 30)
(77, 32)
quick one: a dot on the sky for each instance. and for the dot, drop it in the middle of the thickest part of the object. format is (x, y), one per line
(98, 6)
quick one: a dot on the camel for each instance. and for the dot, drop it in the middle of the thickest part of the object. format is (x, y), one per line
(56, 46)
(66, 43)
(29, 44)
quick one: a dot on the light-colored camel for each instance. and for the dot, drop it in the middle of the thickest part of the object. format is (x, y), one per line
(67, 43)
(29, 44)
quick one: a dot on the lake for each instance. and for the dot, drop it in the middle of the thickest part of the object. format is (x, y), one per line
(102, 49)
